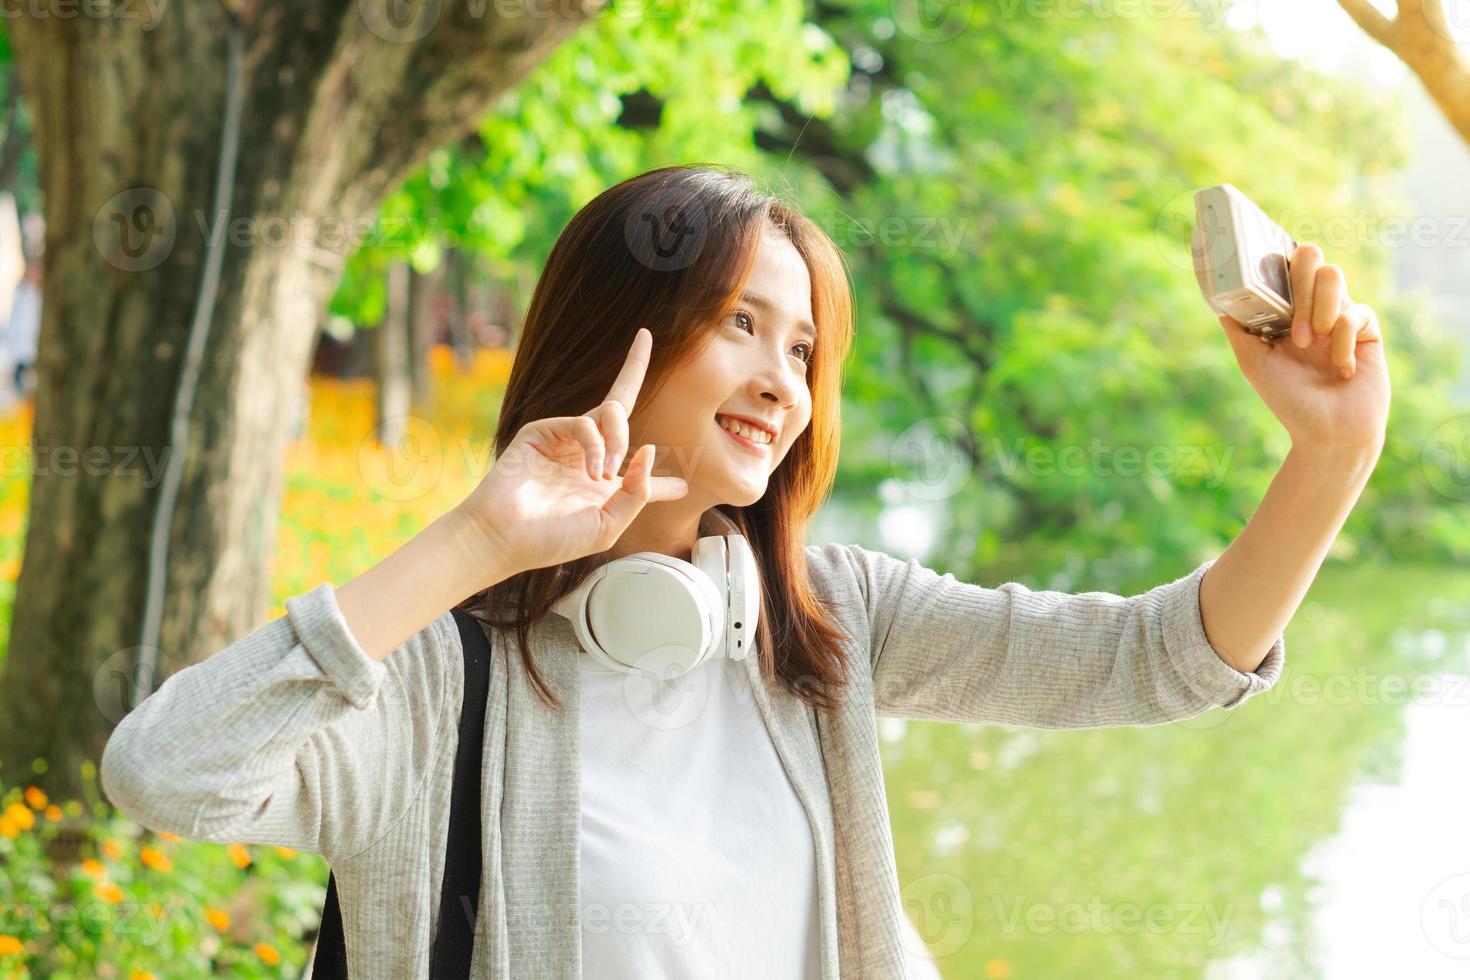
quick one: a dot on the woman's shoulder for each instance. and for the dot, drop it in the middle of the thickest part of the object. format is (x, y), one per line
(852, 569)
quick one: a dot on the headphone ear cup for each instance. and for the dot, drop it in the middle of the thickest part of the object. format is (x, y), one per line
(709, 558)
(651, 611)
(745, 596)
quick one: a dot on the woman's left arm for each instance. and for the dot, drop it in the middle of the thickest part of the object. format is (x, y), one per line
(1328, 386)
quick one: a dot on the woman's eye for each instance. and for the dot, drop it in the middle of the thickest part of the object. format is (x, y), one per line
(744, 321)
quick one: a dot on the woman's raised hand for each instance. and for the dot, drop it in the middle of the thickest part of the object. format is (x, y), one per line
(555, 495)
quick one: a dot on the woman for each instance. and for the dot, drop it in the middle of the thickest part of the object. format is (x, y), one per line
(750, 837)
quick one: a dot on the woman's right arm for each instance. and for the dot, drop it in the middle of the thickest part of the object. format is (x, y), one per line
(315, 730)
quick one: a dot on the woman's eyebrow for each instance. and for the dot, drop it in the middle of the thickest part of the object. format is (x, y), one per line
(769, 307)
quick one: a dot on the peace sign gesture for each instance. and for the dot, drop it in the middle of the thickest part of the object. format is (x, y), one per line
(554, 495)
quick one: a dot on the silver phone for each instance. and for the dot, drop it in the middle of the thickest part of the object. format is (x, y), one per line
(1242, 260)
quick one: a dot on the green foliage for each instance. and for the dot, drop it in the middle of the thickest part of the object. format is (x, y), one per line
(1067, 317)
(143, 906)
(1014, 200)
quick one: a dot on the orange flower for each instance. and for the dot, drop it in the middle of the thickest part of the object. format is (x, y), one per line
(9, 946)
(36, 798)
(165, 835)
(240, 855)
(998, 969)
(8, 826)
(21, 815)
(155, 859)
(111, 849)
(53, 813)
(109, 892)
(218, 918)
(93, 868)
(286, 852)
(267, 954)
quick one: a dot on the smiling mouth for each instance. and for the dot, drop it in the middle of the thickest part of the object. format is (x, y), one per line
(743, 441)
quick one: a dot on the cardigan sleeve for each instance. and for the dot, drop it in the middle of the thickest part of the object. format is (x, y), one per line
(945, 650)
(290, 735)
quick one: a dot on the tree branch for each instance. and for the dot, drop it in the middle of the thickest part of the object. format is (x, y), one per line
(1424, 40)
(1373, 23)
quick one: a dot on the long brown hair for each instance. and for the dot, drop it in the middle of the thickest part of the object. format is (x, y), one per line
(670, 250)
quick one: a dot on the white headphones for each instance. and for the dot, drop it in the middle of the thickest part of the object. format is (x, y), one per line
(651, 611)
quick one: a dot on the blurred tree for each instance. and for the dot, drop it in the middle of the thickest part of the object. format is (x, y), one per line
(205, 174)
(1422, 34)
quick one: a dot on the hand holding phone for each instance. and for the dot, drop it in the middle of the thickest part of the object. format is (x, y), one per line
(1242, 260)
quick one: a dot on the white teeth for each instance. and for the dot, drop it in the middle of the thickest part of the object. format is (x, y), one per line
(754, 435)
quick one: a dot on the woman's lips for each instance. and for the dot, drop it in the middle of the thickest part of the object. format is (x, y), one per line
(755, 447)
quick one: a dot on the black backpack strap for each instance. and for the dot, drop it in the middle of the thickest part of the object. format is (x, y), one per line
(330, 962)
(460, 895)
(460, 898)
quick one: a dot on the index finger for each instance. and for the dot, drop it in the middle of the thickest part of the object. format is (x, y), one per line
(625, 387)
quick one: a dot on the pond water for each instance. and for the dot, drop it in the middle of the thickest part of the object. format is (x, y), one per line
(1319, 830)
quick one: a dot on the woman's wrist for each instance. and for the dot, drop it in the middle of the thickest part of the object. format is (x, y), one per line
(441, 566)
(478, 546)
(1344, 460)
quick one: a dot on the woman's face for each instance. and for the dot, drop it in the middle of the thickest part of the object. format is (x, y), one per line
(754, 365)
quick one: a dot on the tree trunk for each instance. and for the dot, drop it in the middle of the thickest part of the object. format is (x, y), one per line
(456, 281)
(392, 344)
(338, 106)
(422, 290)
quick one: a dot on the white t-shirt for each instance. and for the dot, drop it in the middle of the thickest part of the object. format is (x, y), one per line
(697, 859)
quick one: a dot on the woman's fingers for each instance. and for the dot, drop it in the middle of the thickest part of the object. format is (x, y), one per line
(1357, 325)
(613, 419)
(639, 487)
(582, 428)
(1305, 262)
(1328, 299)
(625, 386)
